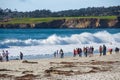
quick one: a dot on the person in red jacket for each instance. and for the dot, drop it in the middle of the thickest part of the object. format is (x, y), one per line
(100, 50)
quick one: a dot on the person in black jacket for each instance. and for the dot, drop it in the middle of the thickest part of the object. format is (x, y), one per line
(21, 55)
(104, 50)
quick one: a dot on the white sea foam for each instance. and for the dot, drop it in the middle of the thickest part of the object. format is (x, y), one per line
(84, 38)
(49, 49)
(67, 43)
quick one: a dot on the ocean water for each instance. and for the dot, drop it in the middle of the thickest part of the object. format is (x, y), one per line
(46, 41)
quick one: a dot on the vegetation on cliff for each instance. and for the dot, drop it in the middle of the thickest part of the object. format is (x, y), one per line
(49, 19)
(65, 23)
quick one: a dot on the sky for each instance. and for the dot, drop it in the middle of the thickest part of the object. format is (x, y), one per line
(55, 5)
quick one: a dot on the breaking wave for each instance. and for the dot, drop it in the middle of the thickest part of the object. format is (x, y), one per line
(83, 38)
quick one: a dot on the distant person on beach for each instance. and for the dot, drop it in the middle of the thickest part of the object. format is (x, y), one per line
(61, 53)
(21, 55)
(100, 50)
(104, 50)
(110, 50)
(55, 54)
(7, 55)
(85, 51)
(91, 49)
(74, 52)
(1, 58)
(88, 51)
(116, 50)
(3, 54)
(80, 52)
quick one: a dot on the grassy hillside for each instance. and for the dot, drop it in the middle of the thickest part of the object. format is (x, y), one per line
(40, 20)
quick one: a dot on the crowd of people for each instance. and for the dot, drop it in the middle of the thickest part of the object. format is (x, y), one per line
(87, 51)
(4, 56)
(59, 53)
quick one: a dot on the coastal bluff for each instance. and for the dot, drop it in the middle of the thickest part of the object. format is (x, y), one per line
(75, 23)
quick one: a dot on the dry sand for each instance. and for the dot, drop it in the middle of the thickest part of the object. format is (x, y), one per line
(70, 68)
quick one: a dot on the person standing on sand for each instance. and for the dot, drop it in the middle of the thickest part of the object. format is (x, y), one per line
(55, 54)
(110, 50)
(100, 50)
(104, 50)
(116, 50)
(80, 52)
(90, 51)
(85, 51)
(1, 58)
(21, 55)
(61, 53)
(92, 48)
(74, 52)
(6, 55)
(3, 54)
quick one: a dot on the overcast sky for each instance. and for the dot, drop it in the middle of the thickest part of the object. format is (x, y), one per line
(55, 5)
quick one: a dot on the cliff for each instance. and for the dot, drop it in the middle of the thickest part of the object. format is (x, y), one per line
(92, 23)
(70, 23)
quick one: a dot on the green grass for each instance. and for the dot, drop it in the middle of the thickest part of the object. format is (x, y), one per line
(100, 17)
(48, 19)
(28, 20)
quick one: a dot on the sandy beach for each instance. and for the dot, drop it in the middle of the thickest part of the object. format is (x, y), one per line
(69, 68)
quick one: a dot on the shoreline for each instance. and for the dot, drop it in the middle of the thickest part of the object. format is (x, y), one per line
(48, 56)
